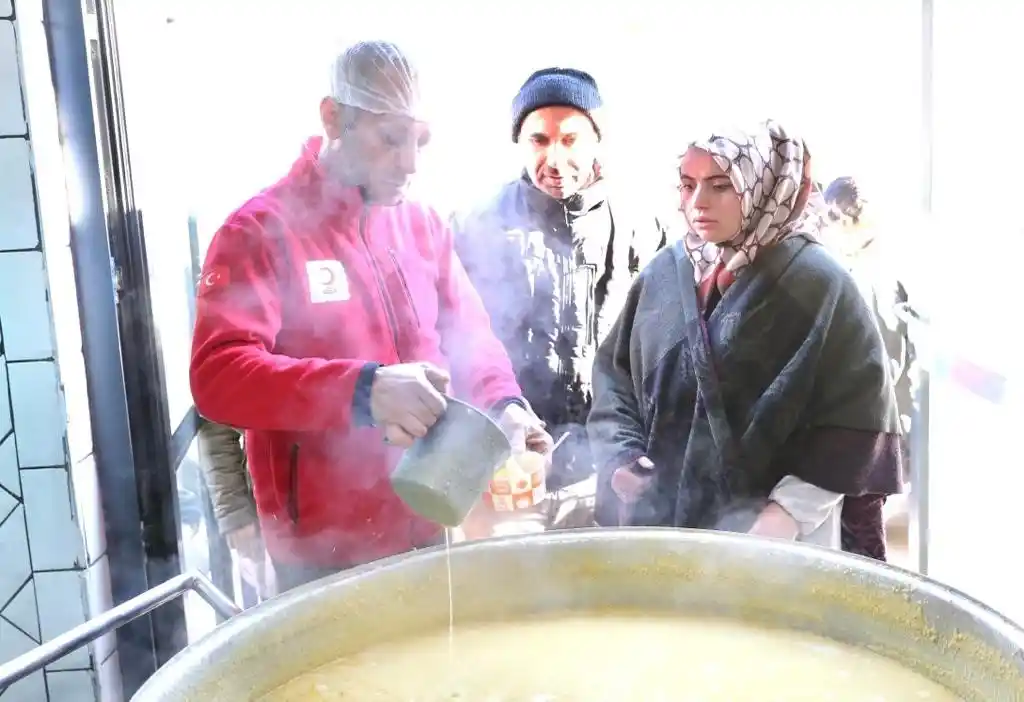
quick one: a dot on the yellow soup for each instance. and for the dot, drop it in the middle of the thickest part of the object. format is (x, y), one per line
(613, 659)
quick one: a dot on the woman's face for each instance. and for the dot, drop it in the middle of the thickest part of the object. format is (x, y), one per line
(707, 199)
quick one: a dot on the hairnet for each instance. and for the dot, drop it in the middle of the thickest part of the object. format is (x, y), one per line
(376, 76)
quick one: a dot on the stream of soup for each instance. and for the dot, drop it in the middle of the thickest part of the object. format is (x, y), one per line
(612, 659)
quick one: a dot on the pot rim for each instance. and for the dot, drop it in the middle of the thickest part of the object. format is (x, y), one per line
(893, 576)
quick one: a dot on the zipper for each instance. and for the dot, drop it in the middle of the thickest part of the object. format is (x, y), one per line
(293, 484)
(588, 287)
(405, 285)
(378, 278)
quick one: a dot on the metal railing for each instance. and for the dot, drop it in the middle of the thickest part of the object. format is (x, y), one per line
(112, 619)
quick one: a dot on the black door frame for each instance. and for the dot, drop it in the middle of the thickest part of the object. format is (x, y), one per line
(136, 453)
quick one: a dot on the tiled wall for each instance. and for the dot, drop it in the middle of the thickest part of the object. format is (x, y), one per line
(53, 568)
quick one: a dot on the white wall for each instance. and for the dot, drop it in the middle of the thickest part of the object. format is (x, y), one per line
(242, 89)
(974, 242)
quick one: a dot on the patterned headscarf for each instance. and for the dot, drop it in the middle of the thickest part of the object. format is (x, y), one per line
(771, 172)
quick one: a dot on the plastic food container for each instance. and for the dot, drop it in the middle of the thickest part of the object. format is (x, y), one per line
(519, 485)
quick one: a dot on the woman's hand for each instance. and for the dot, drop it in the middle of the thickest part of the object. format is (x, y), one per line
(630, 482)
(776, 523)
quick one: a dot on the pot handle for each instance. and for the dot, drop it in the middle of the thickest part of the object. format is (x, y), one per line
(113, 619)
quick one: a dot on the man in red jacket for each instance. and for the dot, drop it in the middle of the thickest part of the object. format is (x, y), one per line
(331, 317)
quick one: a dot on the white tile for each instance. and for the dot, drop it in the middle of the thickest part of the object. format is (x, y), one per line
(89, 508)
(67, 330)
(9, 464)
(16, 567)
(53, 533)
(5, 407)
(79, 430)
(38, 411)
(41, 109)
(13, 643)
(19, 229)
(72, 686)
(61, 597)
(100, 599)
(30, 689)
(24, 306)
(7, 504)
(12, 110)
(22, 611)
(111, 689)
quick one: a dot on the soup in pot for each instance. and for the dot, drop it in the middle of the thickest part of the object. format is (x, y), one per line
(612, 659)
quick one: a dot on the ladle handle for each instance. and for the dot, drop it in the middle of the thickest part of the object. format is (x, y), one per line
(561, 440)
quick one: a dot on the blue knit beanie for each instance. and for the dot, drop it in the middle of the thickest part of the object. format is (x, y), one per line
(567, 87)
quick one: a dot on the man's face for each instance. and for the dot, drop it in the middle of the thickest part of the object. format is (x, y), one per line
(380, 153)
(560, 146)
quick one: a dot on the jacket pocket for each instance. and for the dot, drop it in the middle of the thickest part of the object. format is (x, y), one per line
(404, 284)
(293, 483)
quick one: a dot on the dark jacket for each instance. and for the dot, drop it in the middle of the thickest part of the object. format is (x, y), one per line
(885, 298)
(786, 376)
(554, 276)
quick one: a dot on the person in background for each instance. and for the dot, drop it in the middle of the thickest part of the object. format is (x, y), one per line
(222, 459)
(854, 239)
(553, 254)
(332, 320)
(744, 387)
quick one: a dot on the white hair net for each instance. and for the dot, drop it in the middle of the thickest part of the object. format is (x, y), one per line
(378, 77)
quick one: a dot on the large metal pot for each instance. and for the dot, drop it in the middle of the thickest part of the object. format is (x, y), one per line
(941, 633)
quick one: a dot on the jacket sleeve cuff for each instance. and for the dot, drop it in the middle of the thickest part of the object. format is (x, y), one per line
(236, 519)
(362, 414)
(808, 505)
(625, 458)
(498, 407)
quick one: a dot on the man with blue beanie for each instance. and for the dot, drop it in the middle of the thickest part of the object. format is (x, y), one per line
(553, 260)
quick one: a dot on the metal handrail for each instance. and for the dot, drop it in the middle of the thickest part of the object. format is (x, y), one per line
(112, 619)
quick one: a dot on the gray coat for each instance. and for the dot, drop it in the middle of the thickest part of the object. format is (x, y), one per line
(223, 463)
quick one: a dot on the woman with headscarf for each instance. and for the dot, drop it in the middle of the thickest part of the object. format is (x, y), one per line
(744, 386)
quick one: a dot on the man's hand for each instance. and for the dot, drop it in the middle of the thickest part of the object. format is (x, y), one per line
(630, 482)
(407, 399)
(247, 542)
(524, 430)
(776, 523)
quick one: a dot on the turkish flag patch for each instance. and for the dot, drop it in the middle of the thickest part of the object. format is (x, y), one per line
(216, 277)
